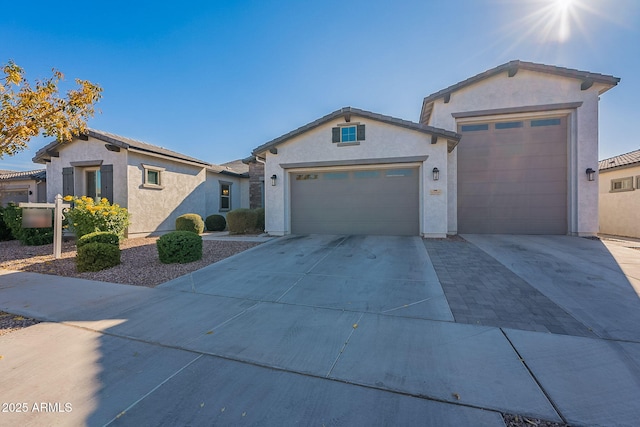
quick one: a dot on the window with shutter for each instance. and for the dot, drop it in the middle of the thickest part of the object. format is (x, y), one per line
(348, 133)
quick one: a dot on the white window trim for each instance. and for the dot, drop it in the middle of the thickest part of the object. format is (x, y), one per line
(149, 168)
(230, 184)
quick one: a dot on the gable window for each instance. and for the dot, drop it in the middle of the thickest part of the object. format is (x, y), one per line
(152, 177)
(622, 184)
(225, 196)
(348, 133)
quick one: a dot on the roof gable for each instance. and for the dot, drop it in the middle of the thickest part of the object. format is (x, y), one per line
(627, 159)
(511, 69)
(452, 137)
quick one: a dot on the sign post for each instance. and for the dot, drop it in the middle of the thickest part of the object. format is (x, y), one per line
(58, 216)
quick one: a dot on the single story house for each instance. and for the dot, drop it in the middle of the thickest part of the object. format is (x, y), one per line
(28, 186)
(156, 185)
(505, 151)
(619, 180)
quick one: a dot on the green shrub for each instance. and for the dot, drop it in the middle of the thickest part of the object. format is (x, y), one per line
(240, 221)
(179, 247)
(99, 237)
(97, 256)
(87, 216)
(190, 222)
(260, 219)
(215, 223)
(12, 217)
(5, 231)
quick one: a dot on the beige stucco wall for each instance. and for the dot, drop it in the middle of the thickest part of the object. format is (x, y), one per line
(529, 88)
(383, 141)
(186, 188)
(619, 212)
(156, 209)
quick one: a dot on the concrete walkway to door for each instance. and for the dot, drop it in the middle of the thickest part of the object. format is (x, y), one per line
(345, 330)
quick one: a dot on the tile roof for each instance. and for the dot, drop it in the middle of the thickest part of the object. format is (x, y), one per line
(39, 174)
(512, 67)
(127, 143)
(237, 165)
(450, 136)
(618, 161)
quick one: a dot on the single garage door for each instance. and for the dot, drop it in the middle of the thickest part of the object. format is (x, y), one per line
(512, 177)
(367, 201)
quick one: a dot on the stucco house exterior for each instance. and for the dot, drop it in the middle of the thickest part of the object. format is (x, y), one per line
(156, 185)
(27, 186)
(619, 198)
(505, 151)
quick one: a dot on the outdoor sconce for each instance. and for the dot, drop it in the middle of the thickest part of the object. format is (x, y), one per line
(273, 180)
(591, 174)
(436, 174)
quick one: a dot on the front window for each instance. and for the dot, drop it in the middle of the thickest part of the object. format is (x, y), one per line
(348, 134)
(225, 196)
(94, 186)
(152, 176)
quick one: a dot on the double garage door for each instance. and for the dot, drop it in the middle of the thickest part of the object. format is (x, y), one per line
(358, 201)
(512, 177)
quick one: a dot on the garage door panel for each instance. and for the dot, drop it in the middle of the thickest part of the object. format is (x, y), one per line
(513, 180)
(356, 202)
(540, 175)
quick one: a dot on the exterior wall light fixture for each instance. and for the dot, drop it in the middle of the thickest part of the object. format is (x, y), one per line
(273, 180)
(436, 174)
(591, 174)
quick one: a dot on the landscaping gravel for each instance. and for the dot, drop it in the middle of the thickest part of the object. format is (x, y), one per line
(12, 322)
(139, 266)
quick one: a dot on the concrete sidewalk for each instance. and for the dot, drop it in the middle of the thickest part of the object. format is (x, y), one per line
(313, 341)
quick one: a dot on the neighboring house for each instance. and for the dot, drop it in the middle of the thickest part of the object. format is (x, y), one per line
(505, 151)
(156, 185)
(619, 182)
(17, 187)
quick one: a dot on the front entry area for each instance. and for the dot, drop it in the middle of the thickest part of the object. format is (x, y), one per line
(382, 201)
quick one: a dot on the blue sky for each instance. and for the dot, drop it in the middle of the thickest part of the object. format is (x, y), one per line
(215, 79)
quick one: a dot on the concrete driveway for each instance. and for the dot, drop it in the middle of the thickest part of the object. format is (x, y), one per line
(341, 330)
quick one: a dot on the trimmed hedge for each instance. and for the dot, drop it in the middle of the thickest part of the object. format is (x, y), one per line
(5, 231)
(97, 256)
(99, 237)
(179, 247)
(242, 220)
(12, 217)
(215, 223)
(260, 219)
(190, 222)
